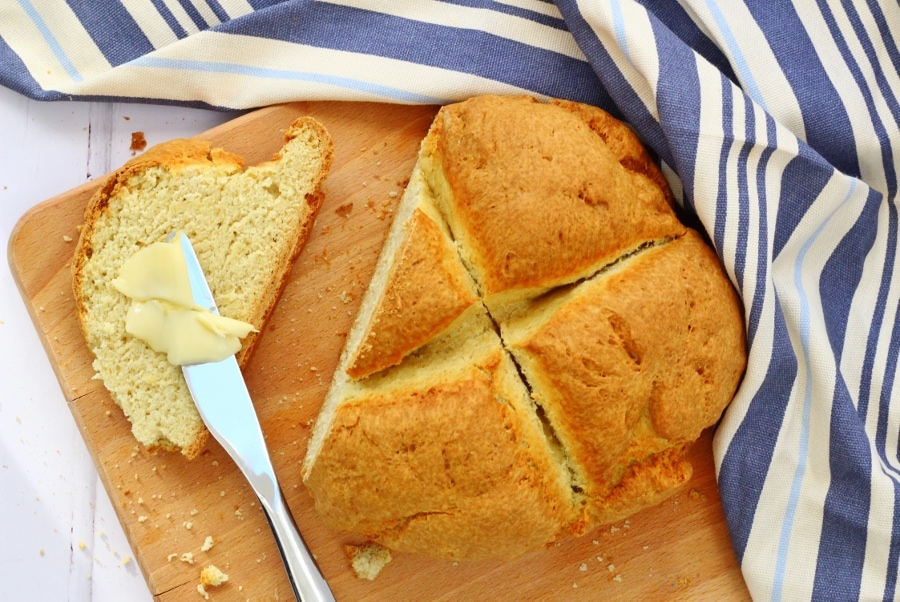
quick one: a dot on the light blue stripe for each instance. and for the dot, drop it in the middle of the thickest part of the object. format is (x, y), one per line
(803, 451)
(284, 74)
(737, 57)
(619, 28)
(48, 36)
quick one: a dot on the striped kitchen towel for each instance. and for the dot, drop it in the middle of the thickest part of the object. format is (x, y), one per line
(776, 122)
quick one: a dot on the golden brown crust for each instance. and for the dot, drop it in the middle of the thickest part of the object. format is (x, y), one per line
(426, 290)
(453, 459)
(538, 197)
(660, 335)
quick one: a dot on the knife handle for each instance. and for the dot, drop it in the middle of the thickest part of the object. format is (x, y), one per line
(306, 579)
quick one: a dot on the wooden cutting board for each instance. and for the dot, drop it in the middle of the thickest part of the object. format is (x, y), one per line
(168, 506)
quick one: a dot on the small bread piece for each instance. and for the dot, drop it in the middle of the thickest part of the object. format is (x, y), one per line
(247, 227)
(604, 337)
(368, 559)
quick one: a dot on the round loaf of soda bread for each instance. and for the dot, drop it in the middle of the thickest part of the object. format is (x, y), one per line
(540, 344)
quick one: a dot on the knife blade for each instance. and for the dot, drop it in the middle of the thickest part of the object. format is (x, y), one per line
(224, 403)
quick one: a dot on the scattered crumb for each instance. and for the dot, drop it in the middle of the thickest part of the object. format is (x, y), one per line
(42, 552)
(583, 567)
(142, 519)
(202, 591)
(207, 544)
(344, 210)
(188, 525)
(67, 238)
(617, 578)
(187, 557)
(81, 545)
(595, 542)
(126, 560)
(170, 557)
(138, 142)
(611, 568)
(696, 495)
(195, 512)
(213, 576)
(368, 559)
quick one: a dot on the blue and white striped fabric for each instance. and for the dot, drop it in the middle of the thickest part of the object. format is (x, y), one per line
(777, 123)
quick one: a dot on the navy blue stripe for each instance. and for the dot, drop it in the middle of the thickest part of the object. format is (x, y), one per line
(843, 272)
(680, 23)
(677, 99)
(15, 76)
(113, 30)
(724, 153)
(740, 258)
(762, 227)
(826, 123)
(511, 10)
(890, 586)
(846, 510)
(803, 179)
(461, 50)
(746, 462)
(218, 11)
(194, 14)
(169, 18)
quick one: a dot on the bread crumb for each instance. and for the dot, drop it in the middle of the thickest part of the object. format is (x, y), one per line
(195, 512)
(188, 525)
(368, 559)
(207, 544)
(202, 591)
(187, 557)
(611, 568)
(213, 576)
(81, 545)
(171, 556)
(617, 578)
(583, 567)
(142, 519)
(126, 560)
(67, 238)
(574, 586)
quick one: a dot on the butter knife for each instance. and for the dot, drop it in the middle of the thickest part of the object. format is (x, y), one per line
(224, 403)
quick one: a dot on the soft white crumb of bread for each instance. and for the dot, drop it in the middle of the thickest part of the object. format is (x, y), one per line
(243, 224)
(207, 544)
(212, 576)
(368, 559)
(202, 591)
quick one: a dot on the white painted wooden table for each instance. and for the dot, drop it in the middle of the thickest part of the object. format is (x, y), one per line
(59, 537)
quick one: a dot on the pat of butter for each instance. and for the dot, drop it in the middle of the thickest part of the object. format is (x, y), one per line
(163, 313)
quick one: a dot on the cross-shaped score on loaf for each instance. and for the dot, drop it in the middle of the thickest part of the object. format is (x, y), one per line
(540, 343)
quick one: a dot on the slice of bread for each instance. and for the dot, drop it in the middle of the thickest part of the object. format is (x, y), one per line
(596, 339)
(247, 227)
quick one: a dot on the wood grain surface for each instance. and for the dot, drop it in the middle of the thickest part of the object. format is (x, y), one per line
(678, 550)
